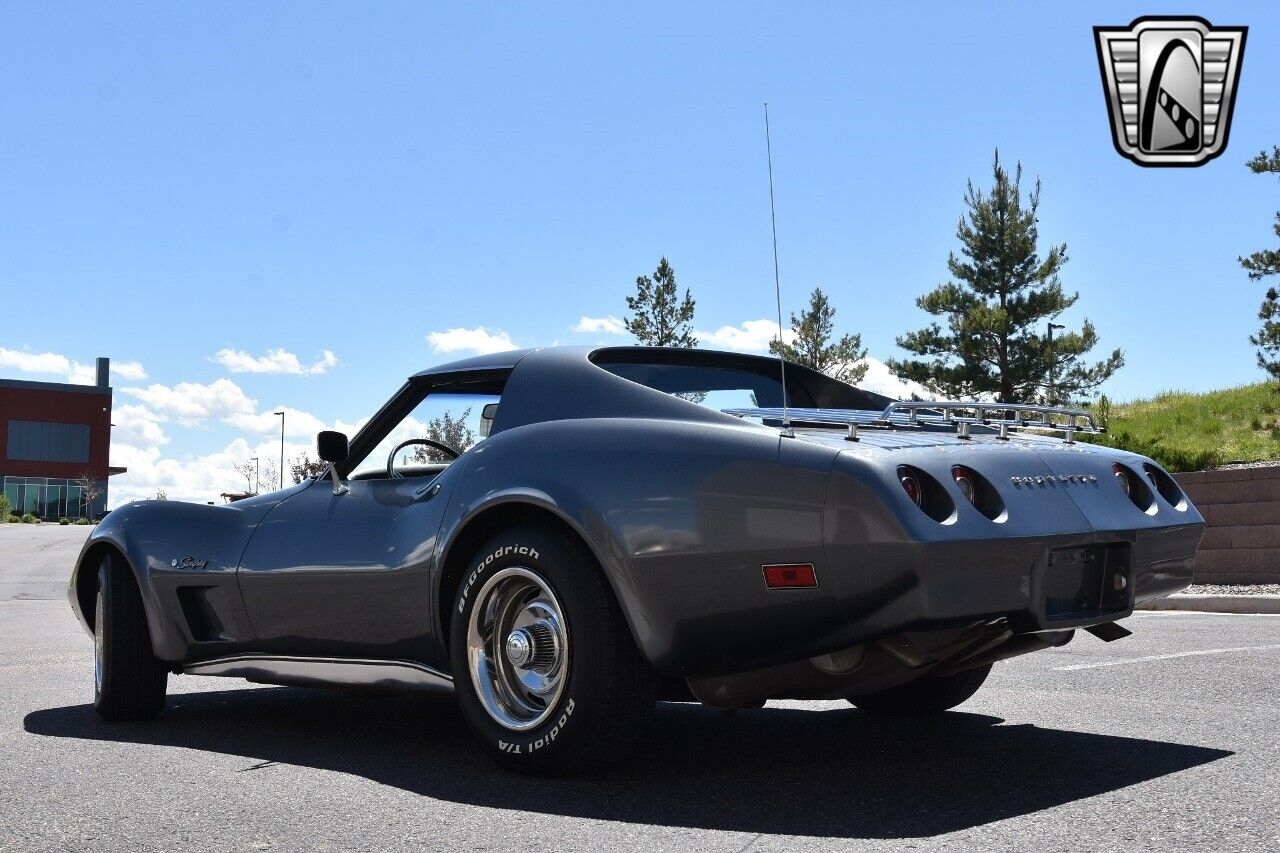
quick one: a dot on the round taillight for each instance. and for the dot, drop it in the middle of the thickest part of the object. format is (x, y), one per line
(964, 482)
(911, 486)
(1122, 479)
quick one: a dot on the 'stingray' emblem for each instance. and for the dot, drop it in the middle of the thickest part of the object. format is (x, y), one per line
(1171, 86)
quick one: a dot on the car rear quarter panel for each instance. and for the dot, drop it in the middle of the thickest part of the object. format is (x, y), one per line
(681, 517)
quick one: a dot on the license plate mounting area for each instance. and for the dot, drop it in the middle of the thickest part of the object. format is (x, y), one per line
(1085, 581)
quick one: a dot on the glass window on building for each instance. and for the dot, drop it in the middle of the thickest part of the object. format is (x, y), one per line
(48, 497)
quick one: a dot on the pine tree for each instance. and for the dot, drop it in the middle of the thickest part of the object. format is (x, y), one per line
(996, 307)
(1259, 265)
(660, 318)
(814, 347)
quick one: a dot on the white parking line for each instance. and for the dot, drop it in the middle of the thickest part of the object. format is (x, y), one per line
(1169, 657)
(1185, 614)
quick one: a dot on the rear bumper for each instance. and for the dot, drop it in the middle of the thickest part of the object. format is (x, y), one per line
(1034, 583)
(872, 590)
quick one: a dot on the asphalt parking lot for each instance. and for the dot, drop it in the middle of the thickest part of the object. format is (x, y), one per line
(1164, 740)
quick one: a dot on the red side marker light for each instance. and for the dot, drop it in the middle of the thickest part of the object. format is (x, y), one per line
(790, 576)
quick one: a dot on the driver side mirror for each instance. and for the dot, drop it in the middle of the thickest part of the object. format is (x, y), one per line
(332, 446)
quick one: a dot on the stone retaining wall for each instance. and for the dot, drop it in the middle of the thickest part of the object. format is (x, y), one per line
(1241, 509)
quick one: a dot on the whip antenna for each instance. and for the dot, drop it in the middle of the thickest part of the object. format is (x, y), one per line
(777, 284)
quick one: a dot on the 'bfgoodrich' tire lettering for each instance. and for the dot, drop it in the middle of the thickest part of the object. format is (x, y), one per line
(608, 695)
(486, 562)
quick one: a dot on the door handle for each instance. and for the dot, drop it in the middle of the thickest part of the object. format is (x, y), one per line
(430, 490)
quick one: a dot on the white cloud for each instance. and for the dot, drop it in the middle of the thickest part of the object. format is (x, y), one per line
(198, 478)
(751, 336)
(76, 372)
(479, 340)
(82, 374)
(276, 360)
(882, 381)
(131, 371)
(30, 362)
(191, 403)
(296, 422)
(87, 374)
(610, 325)
(137, 426)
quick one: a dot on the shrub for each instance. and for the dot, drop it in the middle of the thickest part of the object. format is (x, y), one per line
(1103, 411)
(31, 518)
(5, 508)
(14, 518)
(1173, 458)
(64, 521)
(83, 521)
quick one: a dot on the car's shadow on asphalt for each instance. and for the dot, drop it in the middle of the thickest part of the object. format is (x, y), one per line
(835, 773)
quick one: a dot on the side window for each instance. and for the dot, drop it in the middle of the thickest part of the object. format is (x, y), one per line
(458, 420)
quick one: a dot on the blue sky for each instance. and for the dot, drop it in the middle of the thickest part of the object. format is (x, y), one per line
(181, 180)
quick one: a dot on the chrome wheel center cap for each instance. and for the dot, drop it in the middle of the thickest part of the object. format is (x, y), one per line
(519, 647)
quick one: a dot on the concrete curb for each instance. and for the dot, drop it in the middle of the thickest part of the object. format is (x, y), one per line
(1217, 603)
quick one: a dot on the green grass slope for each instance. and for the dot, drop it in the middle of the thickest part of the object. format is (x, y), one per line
(1187, 432)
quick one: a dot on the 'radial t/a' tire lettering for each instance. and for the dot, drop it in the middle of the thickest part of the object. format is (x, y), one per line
(546, 671)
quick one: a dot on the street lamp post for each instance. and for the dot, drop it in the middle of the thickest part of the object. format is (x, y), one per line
(281, 414)
(256, 488)
(1053, 367)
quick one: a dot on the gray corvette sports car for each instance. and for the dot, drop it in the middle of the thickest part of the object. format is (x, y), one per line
(642, 524)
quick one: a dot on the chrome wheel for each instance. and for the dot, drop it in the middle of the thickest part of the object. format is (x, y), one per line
(517, 648)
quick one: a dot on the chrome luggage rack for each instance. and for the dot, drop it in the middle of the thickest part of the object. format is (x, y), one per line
(960, 414)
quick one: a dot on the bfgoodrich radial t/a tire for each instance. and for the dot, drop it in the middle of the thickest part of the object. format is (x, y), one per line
(129, 682)
(929, 694)
(546, 671)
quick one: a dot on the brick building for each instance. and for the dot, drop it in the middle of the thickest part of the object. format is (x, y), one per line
(52, 435)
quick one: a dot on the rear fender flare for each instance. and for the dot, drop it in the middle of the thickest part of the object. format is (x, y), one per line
(595, 534)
